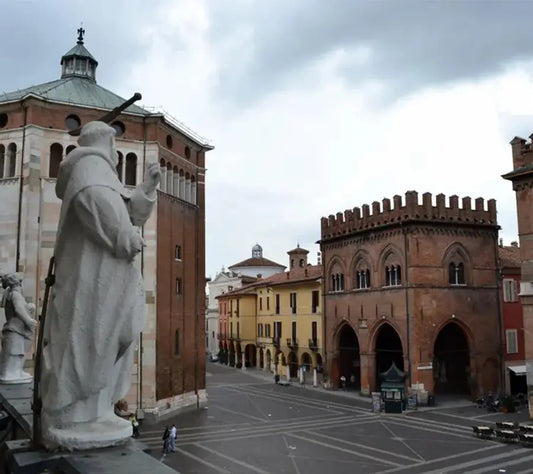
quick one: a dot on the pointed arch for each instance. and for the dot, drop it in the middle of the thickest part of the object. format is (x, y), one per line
(335, 274)
(361, 270)
(391, 260)
(348, 361)
(451, 359)
(458, 264)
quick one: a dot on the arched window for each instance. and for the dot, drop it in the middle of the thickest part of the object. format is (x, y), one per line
(393, 275)
(120, 165)
(2, 160)
(362, 276)
(69, 149)
(392, 269)
(337, 281)
(170, 180)
(11, 159)
(163, 182)
(456, 273)
(193, 190)
(131, 169)
(56, 155)
(302, 262)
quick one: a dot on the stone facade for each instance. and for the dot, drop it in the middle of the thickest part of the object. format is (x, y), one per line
(413, 283)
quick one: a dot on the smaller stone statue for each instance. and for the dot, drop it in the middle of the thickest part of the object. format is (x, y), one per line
(17, 331)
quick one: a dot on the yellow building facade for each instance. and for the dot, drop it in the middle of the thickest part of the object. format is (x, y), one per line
(275, 324)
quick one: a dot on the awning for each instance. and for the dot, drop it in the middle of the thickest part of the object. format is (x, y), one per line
(518, 369)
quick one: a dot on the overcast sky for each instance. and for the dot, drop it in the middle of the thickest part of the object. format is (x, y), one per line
(313, 106)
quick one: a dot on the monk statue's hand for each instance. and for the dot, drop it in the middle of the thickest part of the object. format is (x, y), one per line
(151, 178)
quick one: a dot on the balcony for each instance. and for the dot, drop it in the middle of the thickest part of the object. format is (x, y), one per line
(275, 341)
(292, 343)
(313, 344)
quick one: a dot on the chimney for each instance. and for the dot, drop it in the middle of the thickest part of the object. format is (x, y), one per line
(501, 242)
(514, 243)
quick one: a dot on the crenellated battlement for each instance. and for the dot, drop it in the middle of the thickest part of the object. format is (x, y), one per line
(409, 209)
(522, 151)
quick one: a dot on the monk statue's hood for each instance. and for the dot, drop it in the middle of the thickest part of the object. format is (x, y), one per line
(72, 159)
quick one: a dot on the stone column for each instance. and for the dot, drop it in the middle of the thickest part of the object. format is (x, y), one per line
(288, 372)
(193, 192)
(170, 180)
(315, 377)
(182, 188)
(243, 357)
(176, 182)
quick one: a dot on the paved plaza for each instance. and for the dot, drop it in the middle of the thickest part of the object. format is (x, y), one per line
(255, 426)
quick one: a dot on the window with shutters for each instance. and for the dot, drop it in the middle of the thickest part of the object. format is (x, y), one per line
(511, 337)
(510, 290)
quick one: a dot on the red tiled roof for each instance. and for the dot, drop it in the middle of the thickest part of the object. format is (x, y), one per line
(296, 275)
(509, 257)
(257, 262)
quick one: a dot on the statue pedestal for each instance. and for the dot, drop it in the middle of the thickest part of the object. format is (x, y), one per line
(24, 377)
(81, 436)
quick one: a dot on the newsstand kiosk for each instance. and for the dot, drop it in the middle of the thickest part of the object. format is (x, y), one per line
(393, 389)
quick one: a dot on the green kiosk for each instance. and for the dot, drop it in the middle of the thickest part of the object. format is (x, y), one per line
(393, 389)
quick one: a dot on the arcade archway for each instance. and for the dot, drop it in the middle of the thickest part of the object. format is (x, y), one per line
(451, 360)
(349, 360)
(250, 355)
(292, 360)
(388, 350)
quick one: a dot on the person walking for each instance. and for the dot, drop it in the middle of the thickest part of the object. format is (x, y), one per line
(166, 440)
(173, 435)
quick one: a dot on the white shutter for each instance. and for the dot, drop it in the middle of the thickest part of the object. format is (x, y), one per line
(512, 341)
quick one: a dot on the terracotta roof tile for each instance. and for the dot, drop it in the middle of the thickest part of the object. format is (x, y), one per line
(509, 256)
(257, 262)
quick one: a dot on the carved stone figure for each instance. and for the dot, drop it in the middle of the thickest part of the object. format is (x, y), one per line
(97, 304)
(17, 331)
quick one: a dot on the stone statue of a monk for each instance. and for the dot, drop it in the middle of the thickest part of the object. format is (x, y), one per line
(97, 304)
(17, 331)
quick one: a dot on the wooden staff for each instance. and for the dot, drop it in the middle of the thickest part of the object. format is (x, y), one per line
(37, 403)
(106, 118)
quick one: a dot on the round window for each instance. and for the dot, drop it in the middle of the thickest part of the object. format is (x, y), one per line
(72, 122)
(3, 120)
(119, 128)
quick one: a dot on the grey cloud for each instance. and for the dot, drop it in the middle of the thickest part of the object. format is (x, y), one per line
(414, 44)
(31, 30)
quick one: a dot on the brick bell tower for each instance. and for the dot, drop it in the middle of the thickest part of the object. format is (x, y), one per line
(522, 179)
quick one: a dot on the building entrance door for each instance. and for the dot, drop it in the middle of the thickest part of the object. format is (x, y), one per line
(451, 364)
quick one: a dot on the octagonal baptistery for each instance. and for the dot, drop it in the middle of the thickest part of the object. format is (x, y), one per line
(34, 139)
(413, 284)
